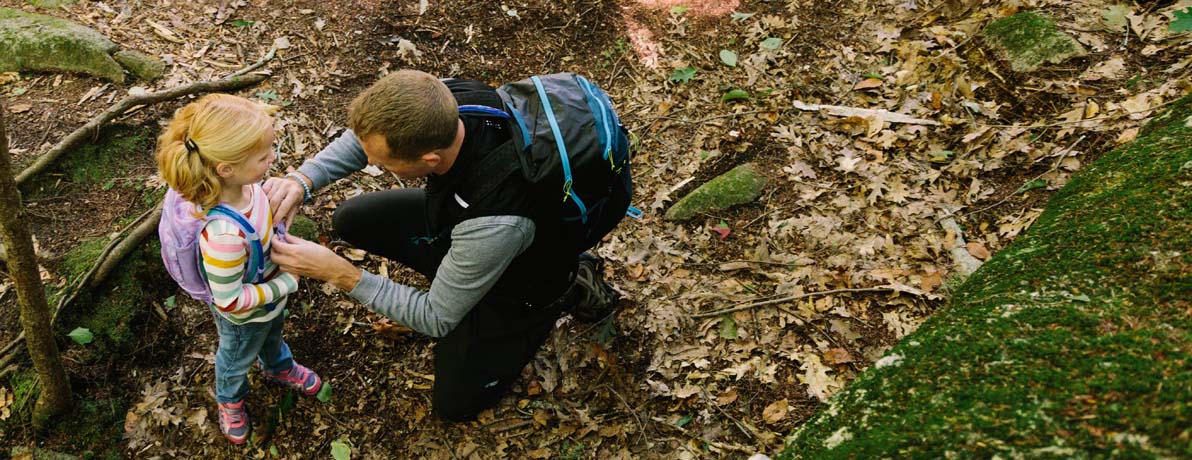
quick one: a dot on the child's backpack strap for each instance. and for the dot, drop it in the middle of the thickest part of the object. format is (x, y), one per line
(256, 260)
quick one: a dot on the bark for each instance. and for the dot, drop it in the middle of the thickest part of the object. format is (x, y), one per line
(54, 397)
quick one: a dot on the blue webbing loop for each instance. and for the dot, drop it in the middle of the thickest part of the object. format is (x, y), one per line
(633, 212)
(554, 127)
(256, 262)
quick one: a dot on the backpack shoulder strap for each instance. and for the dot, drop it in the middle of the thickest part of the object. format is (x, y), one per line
(256, 259)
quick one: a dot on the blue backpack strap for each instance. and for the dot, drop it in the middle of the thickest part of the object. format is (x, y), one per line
(256, 260)
(561, 146)
(483, 110)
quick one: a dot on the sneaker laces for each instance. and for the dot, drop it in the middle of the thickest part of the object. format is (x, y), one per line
(233, 413)
(596, 293)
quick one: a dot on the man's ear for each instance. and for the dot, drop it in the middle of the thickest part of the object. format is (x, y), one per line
(224, 170)
(431, 158)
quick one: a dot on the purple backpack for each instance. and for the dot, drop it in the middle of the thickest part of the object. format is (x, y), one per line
(180, 229)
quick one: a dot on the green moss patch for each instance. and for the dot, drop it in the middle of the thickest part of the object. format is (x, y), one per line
(116, 309)
(1073, 342)
(1028, 40)
(742, 184)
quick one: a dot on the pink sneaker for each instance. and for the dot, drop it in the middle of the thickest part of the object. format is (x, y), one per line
(299, 378)
(233, 422)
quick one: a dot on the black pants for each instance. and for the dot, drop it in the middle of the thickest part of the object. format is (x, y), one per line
(476, 362)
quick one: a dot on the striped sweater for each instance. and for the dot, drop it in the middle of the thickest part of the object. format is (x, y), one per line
(225, 251)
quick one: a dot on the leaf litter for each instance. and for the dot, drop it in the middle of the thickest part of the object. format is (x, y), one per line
(875, 120)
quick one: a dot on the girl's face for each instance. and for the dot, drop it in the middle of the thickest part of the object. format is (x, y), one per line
(255, 167)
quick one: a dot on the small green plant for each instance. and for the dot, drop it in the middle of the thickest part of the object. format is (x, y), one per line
(1182, 22)
(569, 451)
(241, 23)
(683, 75)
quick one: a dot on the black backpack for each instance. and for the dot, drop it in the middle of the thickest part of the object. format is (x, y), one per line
(567, 133)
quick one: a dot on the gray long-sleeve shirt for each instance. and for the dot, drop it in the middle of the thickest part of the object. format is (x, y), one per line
(481, 249)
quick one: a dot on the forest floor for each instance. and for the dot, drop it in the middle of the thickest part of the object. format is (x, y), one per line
(854, 204)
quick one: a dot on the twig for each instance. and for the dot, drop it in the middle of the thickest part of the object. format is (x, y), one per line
(748, 431)
(641, 426)
(92, 127)
(256, 65)
(715, 444)
(512, 426)
(787, 299)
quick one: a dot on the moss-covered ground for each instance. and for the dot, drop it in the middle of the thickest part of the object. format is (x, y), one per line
(1073, 342)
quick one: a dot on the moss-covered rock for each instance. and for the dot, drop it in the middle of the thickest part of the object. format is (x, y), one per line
(37, 42)
(1075, 341)
(141, 65)
(742, 184)
(1027, 40)
(51, 3)
(304, 228)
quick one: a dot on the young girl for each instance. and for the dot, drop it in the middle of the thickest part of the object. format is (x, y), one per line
(216, 151)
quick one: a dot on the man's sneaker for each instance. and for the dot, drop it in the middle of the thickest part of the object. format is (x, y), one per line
(596, 298)
(233, 421)
(299, 378)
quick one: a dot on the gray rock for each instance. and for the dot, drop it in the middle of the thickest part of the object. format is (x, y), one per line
(141, 65)
(741, 185)
(35, 42)
(1028, 40)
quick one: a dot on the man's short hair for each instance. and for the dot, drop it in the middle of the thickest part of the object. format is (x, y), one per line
(413, 110)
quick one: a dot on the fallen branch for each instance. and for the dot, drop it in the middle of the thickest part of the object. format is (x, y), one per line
(92, 127)
(789, 299)
(256, 65)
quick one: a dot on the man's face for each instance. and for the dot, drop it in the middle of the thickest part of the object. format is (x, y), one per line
(377, 151)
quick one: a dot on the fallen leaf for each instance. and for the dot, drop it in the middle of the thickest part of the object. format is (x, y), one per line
(354, 254)
(20, 108)
(838, 356)
(868, 83)
(721, 229)
(728, 397)
(776, 411)
(977, 250)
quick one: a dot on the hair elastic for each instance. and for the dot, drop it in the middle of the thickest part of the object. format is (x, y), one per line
(191, 146)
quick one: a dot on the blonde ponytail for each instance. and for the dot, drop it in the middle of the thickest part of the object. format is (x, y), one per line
(217, 128)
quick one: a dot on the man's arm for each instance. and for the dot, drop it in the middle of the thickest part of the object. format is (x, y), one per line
(341, 157)
(481, 250)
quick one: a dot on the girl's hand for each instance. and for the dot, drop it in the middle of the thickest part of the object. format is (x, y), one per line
(285, 196)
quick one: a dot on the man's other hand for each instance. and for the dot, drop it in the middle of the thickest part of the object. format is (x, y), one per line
(304, 258)
(285, 195)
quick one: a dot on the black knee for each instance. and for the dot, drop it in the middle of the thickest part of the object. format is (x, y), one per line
(351, 221)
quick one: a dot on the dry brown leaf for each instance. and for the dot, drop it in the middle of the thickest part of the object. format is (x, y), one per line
(776, 411)
(728, 397)
(20, 108)
(838, 356)
(1127, 136)
(976, 249)
(868, 83)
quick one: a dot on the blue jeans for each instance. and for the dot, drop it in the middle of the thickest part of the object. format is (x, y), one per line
(239, 346)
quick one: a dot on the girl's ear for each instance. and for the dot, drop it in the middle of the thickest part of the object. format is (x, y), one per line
(224, 170)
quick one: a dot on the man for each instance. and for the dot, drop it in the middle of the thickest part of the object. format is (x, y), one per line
(499, 268)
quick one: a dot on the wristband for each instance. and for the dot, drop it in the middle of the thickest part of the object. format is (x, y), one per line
(301, 182)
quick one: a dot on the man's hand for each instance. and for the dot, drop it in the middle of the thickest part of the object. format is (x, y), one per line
(285, 195)
(304, 258)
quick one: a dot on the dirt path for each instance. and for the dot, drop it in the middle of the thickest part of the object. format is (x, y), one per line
(854, 204)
